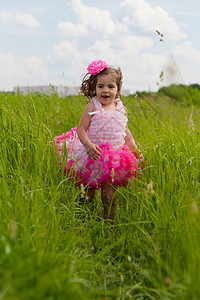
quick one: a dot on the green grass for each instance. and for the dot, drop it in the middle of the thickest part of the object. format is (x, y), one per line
(52, 248)
(182, 93)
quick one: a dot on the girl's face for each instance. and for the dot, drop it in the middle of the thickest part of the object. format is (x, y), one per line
(106, 88)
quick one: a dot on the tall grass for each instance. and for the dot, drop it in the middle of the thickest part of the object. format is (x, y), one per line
(52, 247)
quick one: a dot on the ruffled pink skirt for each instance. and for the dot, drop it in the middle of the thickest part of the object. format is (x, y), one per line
(114, 166)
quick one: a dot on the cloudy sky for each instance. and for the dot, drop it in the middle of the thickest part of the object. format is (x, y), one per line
(52, 41)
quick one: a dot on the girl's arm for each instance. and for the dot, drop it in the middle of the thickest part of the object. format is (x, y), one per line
(91, 148)
(130, 142)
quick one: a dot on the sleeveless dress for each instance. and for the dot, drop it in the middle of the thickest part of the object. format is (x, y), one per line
(107, 130)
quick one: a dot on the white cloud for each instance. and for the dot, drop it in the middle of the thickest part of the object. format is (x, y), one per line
(186, 51)
(188, 61)
(129, 55)
(140, 13)
(17, 18)
(71, 29)
(112, 37)
(10, 66)
(6, 16)
(35, 66)
(14, 72)
(88, 18)
(65, 51)
(133, 45)
(27, 20)
(10, 72)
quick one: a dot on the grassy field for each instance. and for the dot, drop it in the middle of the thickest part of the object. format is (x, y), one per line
(53, 248)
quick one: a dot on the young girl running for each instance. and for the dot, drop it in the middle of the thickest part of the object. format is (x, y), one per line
(101, 152)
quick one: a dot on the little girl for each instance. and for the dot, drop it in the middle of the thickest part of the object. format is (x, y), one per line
(101, 152)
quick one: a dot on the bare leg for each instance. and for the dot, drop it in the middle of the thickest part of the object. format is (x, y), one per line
(90, 194)
(87, 194)
(108, 198)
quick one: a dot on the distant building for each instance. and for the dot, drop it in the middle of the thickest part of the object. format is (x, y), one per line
(49, 89)
(63, 91)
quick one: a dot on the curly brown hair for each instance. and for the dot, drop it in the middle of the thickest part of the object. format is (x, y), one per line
(88, 86)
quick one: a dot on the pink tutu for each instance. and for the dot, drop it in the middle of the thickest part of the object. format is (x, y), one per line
(114, 166)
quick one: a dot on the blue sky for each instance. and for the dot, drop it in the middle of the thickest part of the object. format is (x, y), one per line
(52, 42)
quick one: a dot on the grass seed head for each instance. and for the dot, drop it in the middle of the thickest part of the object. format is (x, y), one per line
(194, 208)
(149, 190)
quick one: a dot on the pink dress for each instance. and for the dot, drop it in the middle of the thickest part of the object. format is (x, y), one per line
(107, 130)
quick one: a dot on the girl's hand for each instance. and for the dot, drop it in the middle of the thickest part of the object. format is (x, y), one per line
(92, 150)
(139, 157)
(136, 152)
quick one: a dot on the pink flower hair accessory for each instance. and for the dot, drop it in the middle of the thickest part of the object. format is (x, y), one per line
(96, 66)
